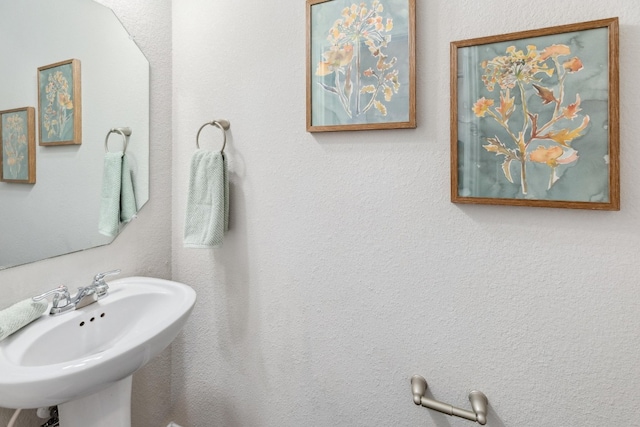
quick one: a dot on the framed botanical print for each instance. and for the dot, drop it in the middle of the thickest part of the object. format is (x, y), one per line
(17, 144)
(60, 103)
(534, 118)
(360, 65)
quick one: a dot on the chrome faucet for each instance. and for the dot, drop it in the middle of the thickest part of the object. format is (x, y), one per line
(63, 301)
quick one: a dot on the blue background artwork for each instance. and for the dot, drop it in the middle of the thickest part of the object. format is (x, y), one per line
(480, 172)
(327, 107)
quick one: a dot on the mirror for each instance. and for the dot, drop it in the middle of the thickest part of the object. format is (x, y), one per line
(59, 214)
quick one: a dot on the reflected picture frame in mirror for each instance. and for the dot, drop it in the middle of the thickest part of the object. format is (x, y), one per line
(60, 103)
(17, 145)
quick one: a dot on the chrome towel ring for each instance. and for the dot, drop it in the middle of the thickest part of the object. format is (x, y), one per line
(125, 132)
(223, 125)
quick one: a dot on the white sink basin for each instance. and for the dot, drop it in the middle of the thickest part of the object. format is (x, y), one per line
(58, 359)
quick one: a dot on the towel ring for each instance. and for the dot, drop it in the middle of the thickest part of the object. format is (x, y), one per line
(125, 132)
(223, 125)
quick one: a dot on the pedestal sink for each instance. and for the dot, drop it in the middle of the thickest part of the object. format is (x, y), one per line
(83, 360)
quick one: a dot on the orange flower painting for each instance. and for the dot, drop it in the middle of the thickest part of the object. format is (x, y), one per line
(361, 67)
(59, 107)
(360, 89)
(17, 143)
(535, 118)
(545, 71)
(14, 141)
(59, 98)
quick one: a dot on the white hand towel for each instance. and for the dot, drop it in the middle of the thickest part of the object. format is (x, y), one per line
(207, 215)
(20, 315)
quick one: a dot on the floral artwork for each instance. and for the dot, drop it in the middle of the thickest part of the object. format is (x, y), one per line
(533, 119)
(59, 95)
(14, 144)
(343, 62)
(360, 66)
(18, 145)
(521, 71)
(59, 109)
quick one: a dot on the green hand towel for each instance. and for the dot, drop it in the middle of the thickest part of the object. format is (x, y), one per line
(207, 215)
(110, 197)
(128, 208)
(20, 315)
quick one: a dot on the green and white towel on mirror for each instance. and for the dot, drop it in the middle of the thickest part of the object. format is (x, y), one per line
(117, 199)
(128, 208)
(109, 223)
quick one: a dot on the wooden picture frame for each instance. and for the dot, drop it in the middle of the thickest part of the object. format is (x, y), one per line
(18, 145)
(60, 103)
(535, 118)
(369, 86)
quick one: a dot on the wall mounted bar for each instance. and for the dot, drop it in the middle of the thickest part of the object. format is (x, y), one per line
(478, 401)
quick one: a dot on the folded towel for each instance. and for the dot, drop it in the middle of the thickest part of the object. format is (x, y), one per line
(207, 216)
(128, 208)
(20, 315)
(118, 200)
(110, 196)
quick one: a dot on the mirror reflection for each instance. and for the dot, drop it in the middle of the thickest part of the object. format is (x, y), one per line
(59, 213)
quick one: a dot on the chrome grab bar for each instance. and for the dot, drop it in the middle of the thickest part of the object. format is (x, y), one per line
(478, 401)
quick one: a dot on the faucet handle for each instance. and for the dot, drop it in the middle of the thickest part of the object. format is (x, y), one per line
(60, 291)
(98, 279)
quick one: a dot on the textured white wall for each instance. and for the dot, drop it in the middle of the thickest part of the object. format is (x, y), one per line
(144, 247)
(347, 269)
